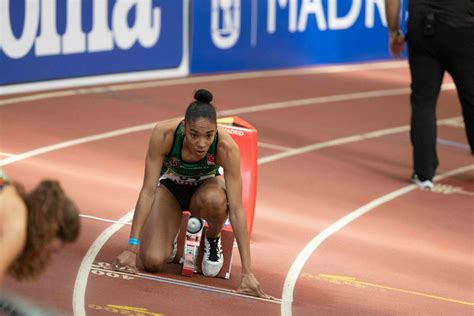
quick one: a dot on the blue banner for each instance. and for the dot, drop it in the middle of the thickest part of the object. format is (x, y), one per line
(232, 35)
(54, 39)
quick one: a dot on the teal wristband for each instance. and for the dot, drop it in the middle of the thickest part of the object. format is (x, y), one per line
(133, 241)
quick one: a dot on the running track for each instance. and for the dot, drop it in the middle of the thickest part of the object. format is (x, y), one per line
(338, 228)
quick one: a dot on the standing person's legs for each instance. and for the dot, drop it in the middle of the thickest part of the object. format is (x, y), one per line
(160, 230)
(426, 75)
(459, 50)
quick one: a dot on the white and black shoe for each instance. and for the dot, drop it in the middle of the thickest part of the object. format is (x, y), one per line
(213, 259)
(422, 184)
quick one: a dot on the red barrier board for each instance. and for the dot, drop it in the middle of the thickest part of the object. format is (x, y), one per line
(245, 135)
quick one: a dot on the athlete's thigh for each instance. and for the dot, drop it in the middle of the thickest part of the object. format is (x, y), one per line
(212, 188)
(162, 224)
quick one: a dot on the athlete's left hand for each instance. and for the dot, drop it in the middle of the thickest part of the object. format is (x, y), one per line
(250, 286)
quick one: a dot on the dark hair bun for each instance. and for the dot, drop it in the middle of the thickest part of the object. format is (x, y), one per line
(203, 95)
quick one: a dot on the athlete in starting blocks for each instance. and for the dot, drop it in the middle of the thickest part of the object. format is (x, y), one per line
(182, 173)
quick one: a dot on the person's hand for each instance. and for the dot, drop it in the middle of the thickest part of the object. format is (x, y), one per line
(250, 286)
(396, 44)
(126, 262)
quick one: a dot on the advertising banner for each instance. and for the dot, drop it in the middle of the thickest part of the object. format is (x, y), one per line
(233, 35)
(54, 39)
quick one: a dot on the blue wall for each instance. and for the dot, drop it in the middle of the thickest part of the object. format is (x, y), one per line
(54, 39)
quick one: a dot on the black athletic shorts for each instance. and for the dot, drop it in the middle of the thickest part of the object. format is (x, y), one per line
(182, 192)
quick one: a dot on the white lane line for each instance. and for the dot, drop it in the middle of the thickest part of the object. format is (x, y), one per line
(100, 219)
(327, 99)
(310, 248)
(249, 109)
(211, 78)
(152, 277)
(272, 146)
(82, 277)
(453, 143)
(74, 142)
(6, 154)
(344, 140)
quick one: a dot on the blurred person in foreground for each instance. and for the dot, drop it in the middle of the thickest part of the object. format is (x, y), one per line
(182, 172)
(440, 37)
(33, 226)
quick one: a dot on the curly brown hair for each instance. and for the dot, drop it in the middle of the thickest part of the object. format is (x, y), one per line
(51, 215)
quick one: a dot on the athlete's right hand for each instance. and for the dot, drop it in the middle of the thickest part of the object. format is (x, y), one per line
(126, 262)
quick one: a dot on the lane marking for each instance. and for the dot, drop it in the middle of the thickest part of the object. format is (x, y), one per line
(272, 146)
(449, 189)
(209, 288)
(74, 142)
(210, 78)
(310, 248)
(249, 109)
(80, 284)
(453, 143)
(343, 140)
(6, 154)
(123, 309)
(353, 281)
(327, 99)
(458, 123)
(104, 219)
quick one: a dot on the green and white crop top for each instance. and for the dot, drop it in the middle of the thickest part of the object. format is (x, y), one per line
(185, 173)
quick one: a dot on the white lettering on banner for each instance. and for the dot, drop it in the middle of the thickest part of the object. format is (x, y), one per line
(312, 7)
(146, 28)
(150, 30)
(100, 38)
(49, 41)
(18, 47)
(341, 23)
(298, 20)
(370, 12)
(226, 36)
(234, 131)
(147, 35)
(292, 14)
(74, 40)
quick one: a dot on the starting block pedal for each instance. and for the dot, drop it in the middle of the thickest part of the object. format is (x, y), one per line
(192, 243)
(191, 246)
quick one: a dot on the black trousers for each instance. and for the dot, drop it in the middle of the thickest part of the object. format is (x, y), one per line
(448, 49)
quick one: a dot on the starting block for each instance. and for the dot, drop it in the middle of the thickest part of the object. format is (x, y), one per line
(192, 243)
(191, 246)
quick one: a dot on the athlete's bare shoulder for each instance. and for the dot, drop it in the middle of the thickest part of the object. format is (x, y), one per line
(226, 147)
(167, 127)
(163, 133)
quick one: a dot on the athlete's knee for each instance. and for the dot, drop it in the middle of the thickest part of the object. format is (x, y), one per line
(153, 262)
(214, 201)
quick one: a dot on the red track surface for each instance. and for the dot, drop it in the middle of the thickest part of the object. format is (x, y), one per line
(412, 255)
